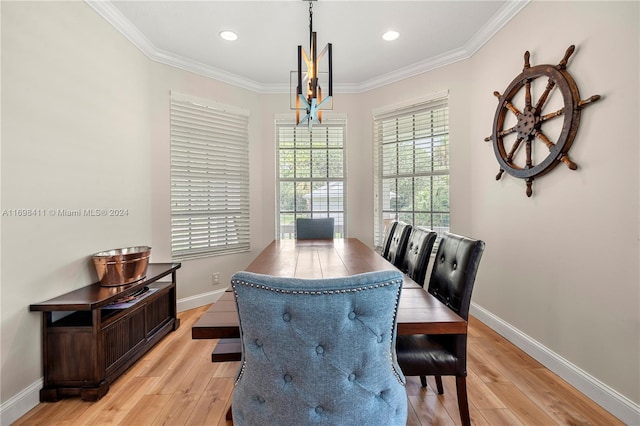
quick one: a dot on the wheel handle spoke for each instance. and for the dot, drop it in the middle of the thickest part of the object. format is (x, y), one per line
(563, 157)
(551, 115)
(514, 148)
(543, 98)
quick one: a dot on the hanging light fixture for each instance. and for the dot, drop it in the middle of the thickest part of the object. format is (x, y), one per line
(310, 99)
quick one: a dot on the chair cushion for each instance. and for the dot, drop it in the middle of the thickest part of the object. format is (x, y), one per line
(454, 272)
(423, 355)
(318, 228)
(417, 254)
(398, 243)
(386, 241)
(318, 351)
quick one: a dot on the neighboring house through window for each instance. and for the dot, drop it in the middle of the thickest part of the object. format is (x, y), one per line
(209, 178)
(411, 165)
(311, 180)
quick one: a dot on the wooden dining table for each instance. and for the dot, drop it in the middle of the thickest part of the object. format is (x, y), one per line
(418, 312)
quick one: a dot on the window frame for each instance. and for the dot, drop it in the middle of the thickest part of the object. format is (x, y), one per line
(209, 178)
(435, 102)
(340, 214)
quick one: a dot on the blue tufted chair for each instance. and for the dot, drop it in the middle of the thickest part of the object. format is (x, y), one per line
(452, 278)
(398, 243)
(314, 228)
(318, 351)
(418, 252)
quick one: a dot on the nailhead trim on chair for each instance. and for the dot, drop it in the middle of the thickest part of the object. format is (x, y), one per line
(306, 292)
(326, 292)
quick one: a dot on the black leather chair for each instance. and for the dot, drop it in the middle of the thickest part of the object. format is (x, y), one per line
(398, 243)
(314, 228)
(386, 241)
(417, 254)
(452, 278)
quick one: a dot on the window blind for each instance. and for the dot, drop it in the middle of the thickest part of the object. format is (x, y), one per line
(209, 178)
(311, 179)
(411, 160)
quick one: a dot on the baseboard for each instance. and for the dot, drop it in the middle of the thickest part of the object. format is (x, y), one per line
(17, 406)
(198, 300)
(605, 396)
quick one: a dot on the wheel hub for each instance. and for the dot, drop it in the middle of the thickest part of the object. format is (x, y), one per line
(526, 125)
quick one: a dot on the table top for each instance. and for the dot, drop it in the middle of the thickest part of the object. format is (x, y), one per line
(321, 259)
(418, 313)
(95, 295)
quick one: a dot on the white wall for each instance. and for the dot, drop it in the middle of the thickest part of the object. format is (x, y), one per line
(562, 267)
(75, 135)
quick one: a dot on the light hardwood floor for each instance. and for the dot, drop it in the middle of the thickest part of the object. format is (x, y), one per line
(177, 384)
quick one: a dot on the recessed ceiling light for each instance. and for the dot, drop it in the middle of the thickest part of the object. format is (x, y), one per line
(228, 35)
(390, 35)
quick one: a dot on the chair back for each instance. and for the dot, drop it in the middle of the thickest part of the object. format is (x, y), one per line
(454, 271)
(314, 228)
(417, 254)
(318, 351)
(386, 241)
(398, 243)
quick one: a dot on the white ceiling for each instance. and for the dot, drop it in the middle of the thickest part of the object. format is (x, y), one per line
(185, 34)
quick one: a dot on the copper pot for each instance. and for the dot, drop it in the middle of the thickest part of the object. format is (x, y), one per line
(122, 266)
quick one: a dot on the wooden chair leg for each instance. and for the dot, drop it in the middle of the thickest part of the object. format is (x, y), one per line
(439, 385)
(423, 381)
(463, 403)
(229, 415)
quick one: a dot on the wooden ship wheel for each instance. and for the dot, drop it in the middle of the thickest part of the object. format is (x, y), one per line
(535, 123)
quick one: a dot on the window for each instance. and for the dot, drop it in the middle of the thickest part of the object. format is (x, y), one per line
(209, 178)
(311, 179)
(411, 149)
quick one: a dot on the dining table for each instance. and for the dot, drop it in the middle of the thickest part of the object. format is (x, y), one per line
(419, 312)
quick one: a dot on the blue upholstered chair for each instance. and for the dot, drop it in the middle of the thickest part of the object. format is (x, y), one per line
(318, 351)
(314, 228)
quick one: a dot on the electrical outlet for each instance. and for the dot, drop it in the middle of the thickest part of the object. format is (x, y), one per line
(216, 278)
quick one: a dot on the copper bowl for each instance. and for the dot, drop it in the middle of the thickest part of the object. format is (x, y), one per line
(122, 266)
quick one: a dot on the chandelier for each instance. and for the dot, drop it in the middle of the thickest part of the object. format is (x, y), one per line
(311, 100)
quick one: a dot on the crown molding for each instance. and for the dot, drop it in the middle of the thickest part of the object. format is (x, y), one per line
(500, 19)
(113, 16)
(504, 15)
(177, 61)
(414, 69)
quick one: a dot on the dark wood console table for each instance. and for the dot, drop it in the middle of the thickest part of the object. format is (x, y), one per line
(88, 339)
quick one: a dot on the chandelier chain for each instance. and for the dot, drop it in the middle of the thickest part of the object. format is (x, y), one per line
(310, 20)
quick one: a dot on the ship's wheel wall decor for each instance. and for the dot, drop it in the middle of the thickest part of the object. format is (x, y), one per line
(522, 120)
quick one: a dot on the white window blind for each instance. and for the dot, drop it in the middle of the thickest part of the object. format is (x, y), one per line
(209, 178)
(311, 178)
(411, 160)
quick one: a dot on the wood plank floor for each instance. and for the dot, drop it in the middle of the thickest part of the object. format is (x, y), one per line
(177, 384)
